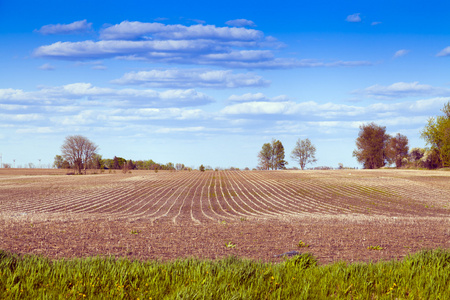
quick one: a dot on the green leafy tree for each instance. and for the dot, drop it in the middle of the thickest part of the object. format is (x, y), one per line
(97, 162)
(118, 162)
(271, 156)
(437, 135)
(397, 149)
(371, 146)
(58, 162)
(202, 168)
(431, 159)
(415, 154)
(304, 152)
(278, 162)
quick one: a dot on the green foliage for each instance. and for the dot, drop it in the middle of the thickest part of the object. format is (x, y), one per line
(371, 146)
(421, 276)
(302, 244)
(304, 152)
(60, 163)
(378, 247)
(437, 135)
(265, 157)
(415, 154)
(230, 245)
(271, 156)
(202, 168)
(397, 149)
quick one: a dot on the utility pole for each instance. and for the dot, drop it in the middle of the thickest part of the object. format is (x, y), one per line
(14, 160)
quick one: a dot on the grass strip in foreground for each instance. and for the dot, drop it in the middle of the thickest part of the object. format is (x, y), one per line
(425, 275)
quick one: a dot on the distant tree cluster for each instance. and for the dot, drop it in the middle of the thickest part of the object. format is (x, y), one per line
(79, 153)
(375, 148)
(271, 156)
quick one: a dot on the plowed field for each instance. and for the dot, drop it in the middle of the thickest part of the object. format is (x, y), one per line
(262, 213)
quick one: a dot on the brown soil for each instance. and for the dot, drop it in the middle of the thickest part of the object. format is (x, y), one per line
(168, 215)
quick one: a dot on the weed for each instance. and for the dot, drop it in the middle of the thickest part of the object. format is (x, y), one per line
(378, 247)
(230, 245)
(133, 231)
(302, 244)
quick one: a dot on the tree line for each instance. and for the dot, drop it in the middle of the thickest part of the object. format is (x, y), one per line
(80, 154)
(375, 148)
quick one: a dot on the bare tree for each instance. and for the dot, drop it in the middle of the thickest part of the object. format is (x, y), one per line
(304, 152)
(78, 151)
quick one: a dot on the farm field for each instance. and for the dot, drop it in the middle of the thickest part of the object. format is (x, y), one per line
(337, 215)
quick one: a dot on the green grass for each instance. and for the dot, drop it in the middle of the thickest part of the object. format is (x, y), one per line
(425, 275)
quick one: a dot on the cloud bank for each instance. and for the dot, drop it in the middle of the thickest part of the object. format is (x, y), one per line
(189, 78)
(230, 47)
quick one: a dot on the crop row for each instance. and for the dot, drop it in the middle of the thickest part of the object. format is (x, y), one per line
(217, 196)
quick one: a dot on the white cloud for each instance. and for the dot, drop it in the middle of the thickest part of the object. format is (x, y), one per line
(21, 117)
(180, 129)
(249, 97)
(138, 30)
(12, 107)
(375, 23)
(72, 28)
(401, 53)
(240, 23)
(425, 105)
(401, 90)
(187, 78)
(82, 91)
(107, 49)
(259, 108)
(354, 18)
(38, 130)
(444, 52)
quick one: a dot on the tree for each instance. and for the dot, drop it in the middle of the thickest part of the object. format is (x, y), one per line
(397, 149)
(265, 157)
(201, 168)
(437, 135)
(78, 151)
(371, 146)
(415, 154)
(97, 162)
(304, 152)
(271, 156)
(118, 162)
(431, 159)
(59, 161)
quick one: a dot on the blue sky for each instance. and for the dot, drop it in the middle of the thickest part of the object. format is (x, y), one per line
(199, 83)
